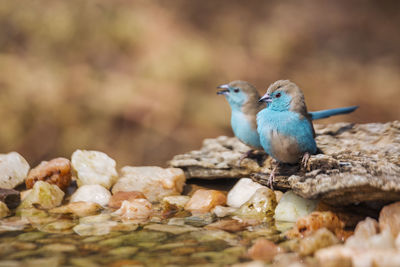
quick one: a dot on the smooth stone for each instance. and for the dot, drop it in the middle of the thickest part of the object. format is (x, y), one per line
(138, 210)
(80, 209)
(260, 206)
(241, 192)
(59, 248)
(200, 220)
(202, 201)
(31, 236)
(117, 199)
(92, 193)
(11, 197)
(154, 182)
(291, 207)
(13, 170)
(319, 239)
(178, 201)
(94, 168)
(173, 229)
(264, 250)
(123, 251)
(59, 226)
(229, 225)
(389, 218)
(46, 195)
(221, 211)
(4, 211)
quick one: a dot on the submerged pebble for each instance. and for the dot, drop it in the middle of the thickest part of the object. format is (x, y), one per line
(80, 209)
(263, 250)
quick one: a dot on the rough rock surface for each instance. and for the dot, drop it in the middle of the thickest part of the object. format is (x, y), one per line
(360, 162)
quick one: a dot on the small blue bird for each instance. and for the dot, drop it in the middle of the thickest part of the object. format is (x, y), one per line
(285, 127)
(243, 100)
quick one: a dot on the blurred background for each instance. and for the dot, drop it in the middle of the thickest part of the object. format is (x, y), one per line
(136, 79)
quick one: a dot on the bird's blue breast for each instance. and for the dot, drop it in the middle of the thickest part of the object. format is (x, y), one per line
(243, 129)
(288, 128)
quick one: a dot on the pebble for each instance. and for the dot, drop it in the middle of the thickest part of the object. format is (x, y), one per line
(389, 218)
(4, 211)
(204, 200)
(139, 210)
(13, 170)
(154, 182)
(221, 211)
(178, 201)
(229, 225)
(56, 171)
(319, 239)
(10, 197)
(263, 250)
(291, 207)
(92, 193)
(316, 220)
(242, 191)
(94, 168)
(79, 208)
(173, 229)
(260, 206)
(117, 199)
(46, 195)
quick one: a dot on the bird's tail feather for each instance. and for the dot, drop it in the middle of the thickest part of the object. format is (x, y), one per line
(322, 114)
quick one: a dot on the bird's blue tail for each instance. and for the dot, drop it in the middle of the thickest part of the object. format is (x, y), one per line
(322, 114)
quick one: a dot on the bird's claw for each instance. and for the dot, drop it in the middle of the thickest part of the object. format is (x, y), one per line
(272, 177)
(304, 160)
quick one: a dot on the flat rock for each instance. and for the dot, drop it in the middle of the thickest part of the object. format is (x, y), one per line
(360, 162)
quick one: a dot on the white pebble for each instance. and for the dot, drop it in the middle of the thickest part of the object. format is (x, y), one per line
(92, 193)
(243, 190)
(13, 170)
(291, 207)
(94, 167)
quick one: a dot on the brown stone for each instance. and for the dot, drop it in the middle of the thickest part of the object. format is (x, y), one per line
(10, 197)
(117, 199)
(389, 217)
(204, 200)
(264, 250)
(229, 225)
(56, 171)
(316, 220)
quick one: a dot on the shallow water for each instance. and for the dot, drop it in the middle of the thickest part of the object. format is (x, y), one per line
(137, 248)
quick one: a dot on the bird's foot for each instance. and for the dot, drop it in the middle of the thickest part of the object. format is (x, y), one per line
(304, 160)
(272, 177)
(252, 154)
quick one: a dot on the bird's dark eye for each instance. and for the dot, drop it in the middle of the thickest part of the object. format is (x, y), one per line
(279, 87)
(278, 95)
(236, 90)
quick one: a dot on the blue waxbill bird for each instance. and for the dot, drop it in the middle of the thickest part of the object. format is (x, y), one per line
(285, 127)
(243, 100)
